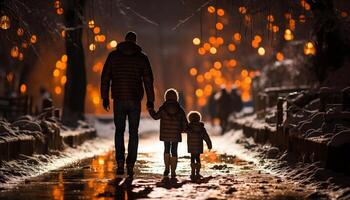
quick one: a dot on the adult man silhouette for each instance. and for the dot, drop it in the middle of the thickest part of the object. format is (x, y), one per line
(128, 71)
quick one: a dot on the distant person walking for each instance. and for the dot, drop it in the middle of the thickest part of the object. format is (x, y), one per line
(128, 71)
(224, 109)
(236, 100)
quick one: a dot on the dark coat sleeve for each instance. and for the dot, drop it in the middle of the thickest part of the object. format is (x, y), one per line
(207, 138)
(184, 122)
(106, 78)
(147, 77)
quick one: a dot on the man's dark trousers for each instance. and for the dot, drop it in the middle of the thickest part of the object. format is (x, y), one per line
(132, 110)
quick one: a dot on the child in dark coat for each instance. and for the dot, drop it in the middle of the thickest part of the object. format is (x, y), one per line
(172, 123)
(196, 133)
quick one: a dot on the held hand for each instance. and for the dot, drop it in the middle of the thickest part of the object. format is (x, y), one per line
(150, 105)
(106, 104)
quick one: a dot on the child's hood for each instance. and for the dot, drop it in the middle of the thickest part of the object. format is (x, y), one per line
(196, 126)
(171, 107)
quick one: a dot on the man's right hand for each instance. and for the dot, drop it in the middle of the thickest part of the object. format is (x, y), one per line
(150, 105)
(106, 104)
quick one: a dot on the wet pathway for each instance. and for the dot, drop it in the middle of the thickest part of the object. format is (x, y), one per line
(228, 173)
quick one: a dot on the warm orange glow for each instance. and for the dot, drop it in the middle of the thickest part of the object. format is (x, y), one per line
(279, 56)
(97, 30)
(193, 71)
(199, 92)
(309, 48)
(220, 40)
(196, 41)
(20, 56)
(207, 75)
(255, 44)
(200, 78)
(292, 24)
(221, 12)
(23, 88)
(64, 58)
(202, 101)
(212, 40)
(302, 18)
(57, 4)
(9, 77)
(219, 26)
(92, 47)
(91, 24)
(24, 45)
(5, 22)
(237, 37)
(344, 14)
(201, 51)
(63, 33)
(15, 52)
(244, 73)
(219, 81)
(61, 65)
(33, 39)
(96, 101)
(208, 89)
(59, 11)
(58, 90)
(242, 10)
(270, 18)
(217, 65)
(63, 80)
(288, 15)
(232, 63)
(206, 46)
(113, 43)
(261, 51)
(20, 31)
(232, 47)
(257, 38)
(275, 29)
(211, 9)
(213, 50)
(97, 67)
(245, 96)
(288, 35)
(56, 73)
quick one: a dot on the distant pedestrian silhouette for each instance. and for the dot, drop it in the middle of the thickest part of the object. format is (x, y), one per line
(172, 123)
(224, 109)
(128, 71)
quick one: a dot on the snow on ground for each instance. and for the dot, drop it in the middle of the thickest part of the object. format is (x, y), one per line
(16, 171)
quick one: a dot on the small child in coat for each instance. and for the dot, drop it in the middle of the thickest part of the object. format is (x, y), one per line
(196, 133)
(172, 123)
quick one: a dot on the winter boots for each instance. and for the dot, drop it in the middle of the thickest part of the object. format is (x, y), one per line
(173, 164)
(195, 170)
(167, 164)
(120, 167)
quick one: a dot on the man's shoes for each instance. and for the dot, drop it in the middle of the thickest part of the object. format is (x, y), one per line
(120, 168)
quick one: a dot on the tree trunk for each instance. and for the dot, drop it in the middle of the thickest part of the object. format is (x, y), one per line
(331, 48)
(75, 88)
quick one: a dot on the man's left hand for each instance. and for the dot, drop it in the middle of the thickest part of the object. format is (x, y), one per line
(106, 104)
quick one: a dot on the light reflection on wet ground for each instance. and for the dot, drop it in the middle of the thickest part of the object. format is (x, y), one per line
(225, 176)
